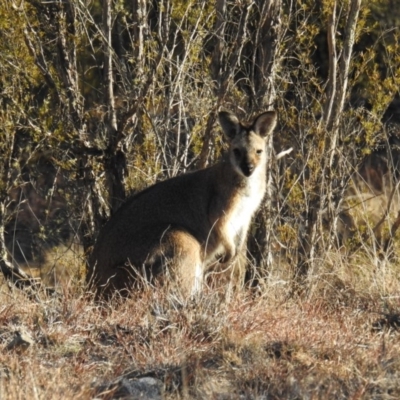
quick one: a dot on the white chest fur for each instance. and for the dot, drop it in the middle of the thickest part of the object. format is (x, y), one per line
(244, 207)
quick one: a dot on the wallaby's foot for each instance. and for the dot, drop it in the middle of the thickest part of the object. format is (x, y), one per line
(226, 258)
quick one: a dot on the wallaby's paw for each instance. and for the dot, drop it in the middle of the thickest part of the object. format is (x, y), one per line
(227, 257)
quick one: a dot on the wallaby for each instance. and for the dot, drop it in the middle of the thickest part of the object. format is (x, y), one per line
(187, 224)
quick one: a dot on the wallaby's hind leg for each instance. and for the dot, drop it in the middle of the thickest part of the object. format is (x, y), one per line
(183, 256)
(113, 280)
(177, 255)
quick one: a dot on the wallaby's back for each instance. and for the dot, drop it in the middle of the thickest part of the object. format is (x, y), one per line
(190, 222)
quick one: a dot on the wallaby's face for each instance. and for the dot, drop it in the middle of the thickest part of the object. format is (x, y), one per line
(247, 143)
(247, 151)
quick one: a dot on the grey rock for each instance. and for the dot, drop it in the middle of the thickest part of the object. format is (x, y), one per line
(146, 388)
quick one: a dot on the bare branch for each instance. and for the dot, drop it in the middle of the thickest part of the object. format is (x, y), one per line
(344, 67)
(108, 72)
(331, 86)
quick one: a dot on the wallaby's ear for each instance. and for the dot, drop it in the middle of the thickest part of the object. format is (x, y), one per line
(229, 123)
(265, 123)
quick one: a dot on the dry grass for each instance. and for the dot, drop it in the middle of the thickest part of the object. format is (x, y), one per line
(336, 340)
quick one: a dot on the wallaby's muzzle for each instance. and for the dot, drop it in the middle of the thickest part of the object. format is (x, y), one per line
(247, 168)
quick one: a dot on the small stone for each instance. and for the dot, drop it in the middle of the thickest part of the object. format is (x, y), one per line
(146, 388)
(20, 342)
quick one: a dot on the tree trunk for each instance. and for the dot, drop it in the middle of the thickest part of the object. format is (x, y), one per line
(266, 43)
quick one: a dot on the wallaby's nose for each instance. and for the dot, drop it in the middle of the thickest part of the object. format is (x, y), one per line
(248, 168)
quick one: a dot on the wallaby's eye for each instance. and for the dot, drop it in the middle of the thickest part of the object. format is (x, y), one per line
(259, 151)
(236, 152)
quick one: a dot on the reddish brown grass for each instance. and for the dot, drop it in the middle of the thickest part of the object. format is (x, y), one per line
(323, 344)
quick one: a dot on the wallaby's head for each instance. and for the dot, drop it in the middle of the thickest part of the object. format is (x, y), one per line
(247, 143)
